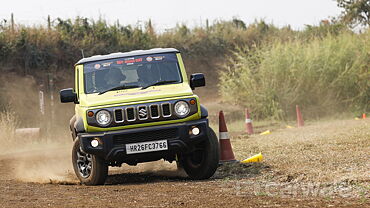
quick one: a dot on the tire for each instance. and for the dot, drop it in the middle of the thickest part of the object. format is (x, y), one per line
(90, 169)
(202, 163)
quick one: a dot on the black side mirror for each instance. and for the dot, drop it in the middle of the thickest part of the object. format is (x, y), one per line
(68, 96)
(197, 80)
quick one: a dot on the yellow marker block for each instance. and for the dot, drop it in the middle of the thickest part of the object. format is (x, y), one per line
(254, 158)
(265, 132)
(357, 118)
(289, 127)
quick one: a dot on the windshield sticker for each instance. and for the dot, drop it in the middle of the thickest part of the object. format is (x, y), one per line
(129, 61)
(136, 93)
(97, 66)
(158, 58)
(138, 60)
(107, 64)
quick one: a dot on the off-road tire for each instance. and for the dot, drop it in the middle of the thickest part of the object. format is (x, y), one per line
(203, 162)
(99, 169)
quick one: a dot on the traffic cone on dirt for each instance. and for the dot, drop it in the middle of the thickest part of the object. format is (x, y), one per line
(254, 158)
(226, 151)
(266, 132)
(364, 116)
(300, 121)
(248, 122)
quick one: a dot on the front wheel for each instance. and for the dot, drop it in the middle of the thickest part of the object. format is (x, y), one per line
(90, 169)
(203, 161)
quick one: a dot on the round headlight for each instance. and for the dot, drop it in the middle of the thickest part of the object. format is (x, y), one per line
(103, 118)
(182, 108)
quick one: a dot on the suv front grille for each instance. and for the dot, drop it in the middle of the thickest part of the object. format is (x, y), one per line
(140, 113)
(143, 112)
(145, 136)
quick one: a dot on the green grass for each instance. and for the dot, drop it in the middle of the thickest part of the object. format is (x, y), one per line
(323, 76)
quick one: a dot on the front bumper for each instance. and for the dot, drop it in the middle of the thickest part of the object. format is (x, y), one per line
(112, 143)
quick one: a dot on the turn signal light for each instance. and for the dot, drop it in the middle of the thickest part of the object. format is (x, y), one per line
(90, 114)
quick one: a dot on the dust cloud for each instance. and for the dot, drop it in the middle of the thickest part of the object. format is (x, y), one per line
(46, 163)
(157, 168)
(42, 156)
(45, 156)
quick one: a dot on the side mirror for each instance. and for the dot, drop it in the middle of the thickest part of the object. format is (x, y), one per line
(68, 96)
(197, 80)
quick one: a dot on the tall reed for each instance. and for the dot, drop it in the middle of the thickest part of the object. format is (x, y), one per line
(324, 75)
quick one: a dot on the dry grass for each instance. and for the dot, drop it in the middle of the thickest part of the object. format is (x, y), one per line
(235, 118)
(330, 150)
(7, 127)
(324, 152)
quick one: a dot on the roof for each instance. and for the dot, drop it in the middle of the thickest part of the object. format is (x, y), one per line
(126, 54)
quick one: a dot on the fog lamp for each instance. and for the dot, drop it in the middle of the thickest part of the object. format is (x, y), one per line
(94, 142)
(195, 131)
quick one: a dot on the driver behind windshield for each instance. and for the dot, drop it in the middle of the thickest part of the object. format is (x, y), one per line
(148, 74)
(113, 78)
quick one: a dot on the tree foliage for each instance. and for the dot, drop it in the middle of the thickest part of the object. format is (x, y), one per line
(356, 12)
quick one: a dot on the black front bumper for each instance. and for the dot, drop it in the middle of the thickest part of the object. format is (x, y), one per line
(112, 143)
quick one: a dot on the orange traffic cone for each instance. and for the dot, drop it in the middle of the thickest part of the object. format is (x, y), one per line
(364, 116)
(300, 121)
(226, 151)
(248, 122)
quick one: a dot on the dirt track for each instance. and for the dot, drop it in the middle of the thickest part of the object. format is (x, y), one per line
(256, 185)
(147, 190)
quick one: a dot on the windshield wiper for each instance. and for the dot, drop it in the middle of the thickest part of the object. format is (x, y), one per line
(119, 87)
(160, 83)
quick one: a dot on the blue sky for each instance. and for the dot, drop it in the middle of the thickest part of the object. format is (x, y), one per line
(166, 13)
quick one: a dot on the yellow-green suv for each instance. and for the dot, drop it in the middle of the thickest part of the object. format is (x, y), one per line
(138, 107)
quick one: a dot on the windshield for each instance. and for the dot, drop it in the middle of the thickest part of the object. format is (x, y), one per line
(131, 72)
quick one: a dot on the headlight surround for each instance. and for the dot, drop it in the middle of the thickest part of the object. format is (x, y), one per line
(182, 109)
(103, 118)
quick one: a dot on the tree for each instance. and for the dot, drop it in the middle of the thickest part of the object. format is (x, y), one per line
(356, 12)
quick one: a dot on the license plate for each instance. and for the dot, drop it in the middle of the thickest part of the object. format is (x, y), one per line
(141, 147)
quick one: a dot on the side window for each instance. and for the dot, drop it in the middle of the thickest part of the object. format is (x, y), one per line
(89, 81)
(77, 80)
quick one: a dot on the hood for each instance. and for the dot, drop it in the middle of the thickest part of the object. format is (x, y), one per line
(135, 95)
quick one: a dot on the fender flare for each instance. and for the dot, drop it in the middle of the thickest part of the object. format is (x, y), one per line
(79, 125)
(76, 125)
(203, 111)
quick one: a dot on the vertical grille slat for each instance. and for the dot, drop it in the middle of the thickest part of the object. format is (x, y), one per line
(118, 115)
(166, 110)
(154, 111)
(130, 113)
